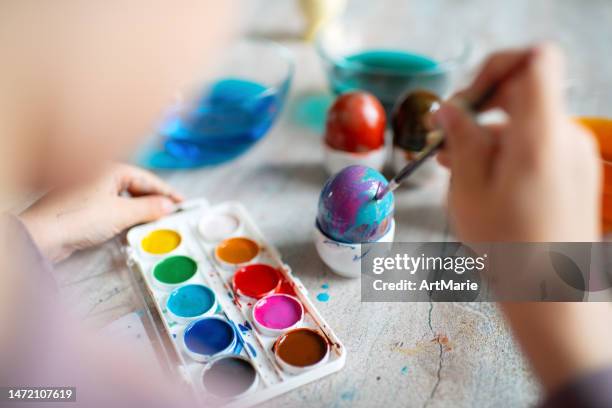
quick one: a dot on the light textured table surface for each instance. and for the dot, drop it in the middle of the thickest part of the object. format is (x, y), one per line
(399, 354)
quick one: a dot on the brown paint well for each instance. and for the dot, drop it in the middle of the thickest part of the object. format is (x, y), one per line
(301, 347)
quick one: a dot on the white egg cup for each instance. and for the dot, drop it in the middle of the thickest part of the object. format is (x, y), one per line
(343, 258)
(335, 160)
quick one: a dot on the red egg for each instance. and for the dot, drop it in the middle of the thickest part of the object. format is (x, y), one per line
(356, 123)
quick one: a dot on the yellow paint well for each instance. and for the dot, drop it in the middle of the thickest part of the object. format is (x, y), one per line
(161, 241)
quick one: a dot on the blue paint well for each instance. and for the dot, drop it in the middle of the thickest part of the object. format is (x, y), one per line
(209, 335)
(323, 297)
(191, 300)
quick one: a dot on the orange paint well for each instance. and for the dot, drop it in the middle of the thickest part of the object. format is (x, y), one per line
(237, 250)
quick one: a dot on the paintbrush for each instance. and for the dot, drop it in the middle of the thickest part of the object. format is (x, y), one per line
(436, 138)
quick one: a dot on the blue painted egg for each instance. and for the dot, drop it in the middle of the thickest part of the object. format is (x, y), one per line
(347, 209)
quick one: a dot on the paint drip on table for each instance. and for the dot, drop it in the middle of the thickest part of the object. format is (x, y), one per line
(348, 211)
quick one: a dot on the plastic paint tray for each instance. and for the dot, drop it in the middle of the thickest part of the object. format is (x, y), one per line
(272, 379)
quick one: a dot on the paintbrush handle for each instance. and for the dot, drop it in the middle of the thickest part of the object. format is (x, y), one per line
(420, 158)
(423, 155)
(434, 146)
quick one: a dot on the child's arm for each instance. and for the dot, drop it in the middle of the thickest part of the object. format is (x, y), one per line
(535, 178)
(65, 221)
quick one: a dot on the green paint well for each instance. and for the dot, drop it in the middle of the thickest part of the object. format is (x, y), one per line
(175, 270)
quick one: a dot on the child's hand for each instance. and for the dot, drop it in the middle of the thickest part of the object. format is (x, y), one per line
(535, 178)
(65, 221)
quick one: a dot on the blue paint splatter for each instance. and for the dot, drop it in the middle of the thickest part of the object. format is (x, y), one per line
(348, 395)
(174, 335)
(252, 349)
(404, 370)
(325, 286)
(245, 327)
(238, 347)
(339, 244)
(360, 257)
(323, 297)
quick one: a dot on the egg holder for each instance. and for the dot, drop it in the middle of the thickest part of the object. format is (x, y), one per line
(272, 376)
(344, 258)
(335, 160)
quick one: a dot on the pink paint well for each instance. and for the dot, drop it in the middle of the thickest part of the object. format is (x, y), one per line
(278, 311)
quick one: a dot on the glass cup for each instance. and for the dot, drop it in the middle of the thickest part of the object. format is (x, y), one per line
(389, 56)
(230, 113)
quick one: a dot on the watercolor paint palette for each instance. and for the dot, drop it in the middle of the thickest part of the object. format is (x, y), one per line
(239, 322)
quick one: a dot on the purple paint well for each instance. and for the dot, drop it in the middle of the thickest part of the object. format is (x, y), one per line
(278, 312)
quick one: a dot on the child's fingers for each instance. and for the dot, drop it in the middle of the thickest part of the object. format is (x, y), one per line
(135, 210)
(493, 130)
(139, 182)
(493, 70)
(534, 102)
(537, 91)
(468, 147)
(443, 158)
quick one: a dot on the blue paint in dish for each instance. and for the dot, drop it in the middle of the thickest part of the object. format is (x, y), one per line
(191, 300)
(209, 336)
(228, 118)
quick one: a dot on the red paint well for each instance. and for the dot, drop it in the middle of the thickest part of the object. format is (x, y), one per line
(256, 280)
